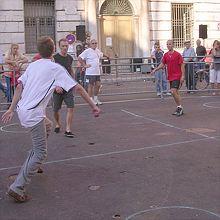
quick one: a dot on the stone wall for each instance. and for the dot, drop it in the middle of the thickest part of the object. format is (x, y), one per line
(70, 13)
(11, 24)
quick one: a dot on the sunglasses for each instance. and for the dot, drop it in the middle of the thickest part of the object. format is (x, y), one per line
(94, 43)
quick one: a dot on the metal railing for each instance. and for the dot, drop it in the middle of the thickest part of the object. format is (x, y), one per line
(131, 75)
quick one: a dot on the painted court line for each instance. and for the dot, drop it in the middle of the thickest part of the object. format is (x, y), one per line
(4, 129)
(210, 105)
(118, 152)
(133, 100)
(162, 123)
(172, 207)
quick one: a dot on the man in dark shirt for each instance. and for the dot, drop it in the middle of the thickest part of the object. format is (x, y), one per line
(200, 50)
(200, 53)
(60, 94)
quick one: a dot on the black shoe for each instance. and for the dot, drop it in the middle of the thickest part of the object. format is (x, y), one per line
(57, 130)
(69, 134)
(40, 170)
(175, 113)
(179, 111)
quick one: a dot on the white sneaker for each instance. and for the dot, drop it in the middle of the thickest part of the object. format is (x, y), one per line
(159, 94)
(98, 102)
(168, 93)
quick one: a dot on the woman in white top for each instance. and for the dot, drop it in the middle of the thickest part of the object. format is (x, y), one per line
(215, 66)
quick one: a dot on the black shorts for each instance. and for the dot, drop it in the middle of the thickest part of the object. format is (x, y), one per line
(58, 99)
(91, 79)
(175, 84)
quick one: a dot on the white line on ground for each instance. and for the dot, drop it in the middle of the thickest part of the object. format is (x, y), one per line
(209, 105)
(118, 152)
(162, 123)
(2, 128)
(172, 207)
(134, 100)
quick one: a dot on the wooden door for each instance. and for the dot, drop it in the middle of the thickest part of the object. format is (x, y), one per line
(118, 30)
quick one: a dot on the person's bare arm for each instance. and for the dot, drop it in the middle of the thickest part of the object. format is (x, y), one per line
(83, 63)
(9, 61)
(183, 72)
(23, 60)
(161, 66)
(7, 116)
(79, 89)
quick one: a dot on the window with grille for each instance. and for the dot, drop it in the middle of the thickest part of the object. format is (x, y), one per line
(182, 24)
(39, 19)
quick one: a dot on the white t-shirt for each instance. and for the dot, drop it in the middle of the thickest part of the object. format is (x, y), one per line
(92, 58)
(39, 82)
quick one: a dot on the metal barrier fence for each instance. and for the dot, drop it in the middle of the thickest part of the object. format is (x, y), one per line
(131, 75)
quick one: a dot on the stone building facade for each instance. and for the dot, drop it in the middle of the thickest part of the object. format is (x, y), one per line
(128, 26)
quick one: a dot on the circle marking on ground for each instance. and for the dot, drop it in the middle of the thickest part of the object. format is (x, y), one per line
(132, 217)
(4, 129)
(210, 104)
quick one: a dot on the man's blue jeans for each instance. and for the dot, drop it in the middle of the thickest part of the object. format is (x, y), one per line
(161, 81)
(8, 88)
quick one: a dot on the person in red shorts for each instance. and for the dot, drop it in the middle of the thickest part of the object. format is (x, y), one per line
(175, 68)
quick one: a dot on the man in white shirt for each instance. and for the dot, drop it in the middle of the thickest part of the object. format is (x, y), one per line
(33, 92)
(90, 59)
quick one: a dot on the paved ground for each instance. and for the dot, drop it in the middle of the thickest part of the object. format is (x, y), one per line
(136, 161)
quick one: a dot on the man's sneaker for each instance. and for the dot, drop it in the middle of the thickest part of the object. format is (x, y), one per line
(159, 94)
(179, 111)
(69, 134)
(40, 170)
(175, 113)
(167, 93)
(57, 130)
(98, 102)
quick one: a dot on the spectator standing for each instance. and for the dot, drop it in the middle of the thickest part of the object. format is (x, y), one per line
(14, 60)
(60, 95)
(175, 70)
(200, 50)
(200, 53)
(215, 74)
(160, 75)
(90, 59)
(189, 56)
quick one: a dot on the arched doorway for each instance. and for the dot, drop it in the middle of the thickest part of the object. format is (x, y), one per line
(116, 29)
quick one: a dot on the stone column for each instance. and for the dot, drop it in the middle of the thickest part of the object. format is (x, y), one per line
(145, 28)
(91, 16)
(136, 36)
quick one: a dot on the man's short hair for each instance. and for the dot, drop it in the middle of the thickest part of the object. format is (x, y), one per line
(45, 46)
(187, 42)
(62, 40)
